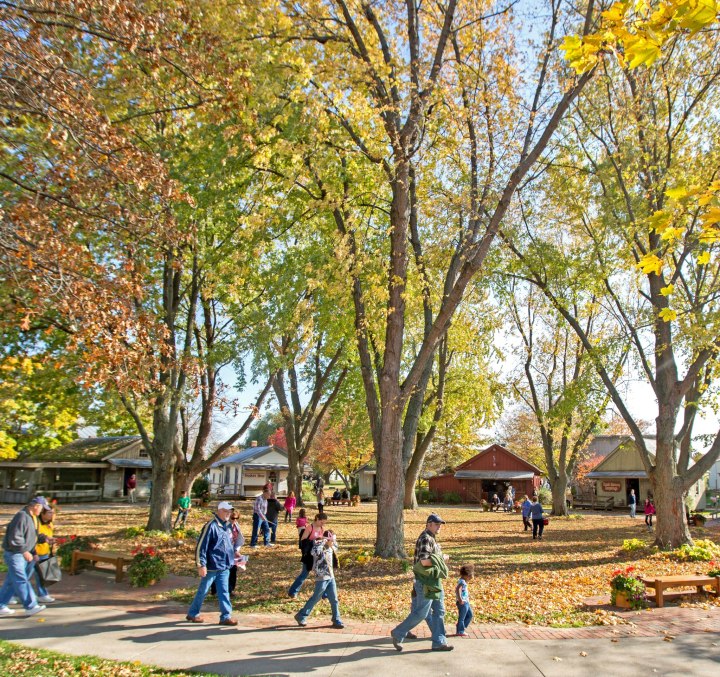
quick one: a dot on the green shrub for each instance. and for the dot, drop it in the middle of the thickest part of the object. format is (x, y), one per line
(545, 495)
(66, 545)
(426, 496)
(632, 544)
(192, 533)
(452, 498)
(146, 568)
(702, 551)
(199, 487)
(133, 532)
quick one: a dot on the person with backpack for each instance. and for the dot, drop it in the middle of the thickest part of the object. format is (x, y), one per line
(309, 535)
(324, 557)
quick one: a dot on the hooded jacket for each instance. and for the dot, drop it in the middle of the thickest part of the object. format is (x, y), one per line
(21, 534)
(215, 549)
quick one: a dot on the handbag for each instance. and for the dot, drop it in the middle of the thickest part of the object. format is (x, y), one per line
(49, 570)
(546, 521)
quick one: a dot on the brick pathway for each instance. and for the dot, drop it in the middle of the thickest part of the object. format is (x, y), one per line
(99, 589)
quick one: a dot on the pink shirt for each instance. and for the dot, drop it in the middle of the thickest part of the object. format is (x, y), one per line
(290, 503)
(301, 522)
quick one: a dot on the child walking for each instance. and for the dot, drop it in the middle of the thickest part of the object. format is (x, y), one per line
(324, 563)
(649, 512)
(462, 599)
(289, 506)
(301, 523)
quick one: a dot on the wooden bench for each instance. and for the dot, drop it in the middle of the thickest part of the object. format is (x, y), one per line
(340, 501)
(662, 583)
(594, 504)
(118, 559)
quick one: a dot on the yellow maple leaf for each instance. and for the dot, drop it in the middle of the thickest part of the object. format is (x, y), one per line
(704, 258)
(650, 264)
(668, 314)
(666, 291)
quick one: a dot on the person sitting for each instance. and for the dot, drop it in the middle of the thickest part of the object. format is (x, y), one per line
(336, 495)
(495, 502)
(345, 495)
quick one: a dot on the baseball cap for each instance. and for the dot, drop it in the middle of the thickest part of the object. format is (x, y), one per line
(434, 518)
(224, 505)
(41, 500)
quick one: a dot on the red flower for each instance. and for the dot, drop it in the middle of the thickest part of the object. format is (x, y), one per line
(616, 572)
(136, 551)
(629, 569)
(73, 537)
(60, 540)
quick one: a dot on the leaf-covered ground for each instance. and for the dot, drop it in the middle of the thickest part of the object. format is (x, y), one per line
(19, 661)
(517, 579)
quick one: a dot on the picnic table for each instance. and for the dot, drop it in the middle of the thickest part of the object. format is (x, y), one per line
(118, 559)
(662, 583)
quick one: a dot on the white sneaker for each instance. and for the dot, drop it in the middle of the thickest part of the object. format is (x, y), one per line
(46, 599)
(270, 545)
(14, 600)
(4, 611)
(34, 610)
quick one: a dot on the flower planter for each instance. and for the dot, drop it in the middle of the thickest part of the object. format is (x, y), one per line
(622, 601)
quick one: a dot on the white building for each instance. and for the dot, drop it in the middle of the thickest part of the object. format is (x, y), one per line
(245, 472)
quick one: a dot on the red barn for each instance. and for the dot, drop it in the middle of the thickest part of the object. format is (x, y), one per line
(488, 473)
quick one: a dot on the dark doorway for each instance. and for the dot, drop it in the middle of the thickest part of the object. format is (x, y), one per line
(632, 483)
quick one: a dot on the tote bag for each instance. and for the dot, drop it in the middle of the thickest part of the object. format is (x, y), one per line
(49, 570)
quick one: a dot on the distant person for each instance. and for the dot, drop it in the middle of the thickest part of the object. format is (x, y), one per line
(649, 512)
(336, 495)
(568, 498)
(495, 502)
(131, 486)
(272, 513)
(301, 523)
(430, 568)
(259, 519)
(536, 512)
(324, 563)
(632, 503)
(345, 495)
(526, 508)
(290, 503)
(183, 509)
(320, 499)
(462, 600)
(19, 543)
(214, 557)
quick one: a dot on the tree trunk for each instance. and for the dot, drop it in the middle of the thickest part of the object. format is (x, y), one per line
(184, 479)
(558, 488)
(671, 530)
(294, 478)
(411, 477)
(390, 479)
(161, 499)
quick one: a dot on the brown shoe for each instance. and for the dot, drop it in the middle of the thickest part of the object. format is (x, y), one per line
(229, 621)
(196, 619)
(411, 635)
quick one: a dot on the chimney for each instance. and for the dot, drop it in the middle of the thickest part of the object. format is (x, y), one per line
(253, 443)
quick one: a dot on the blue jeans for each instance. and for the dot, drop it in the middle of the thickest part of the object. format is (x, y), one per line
(42, 590)
(322, 589)
(17, 581)
(181, 517)
(465, 616)
(273, 531)
(430, 610)
(297, 583)
(633, 508)
(223, 594)
(259, 524)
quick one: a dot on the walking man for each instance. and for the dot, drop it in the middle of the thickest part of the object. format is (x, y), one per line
(429, 600)
(260, 520)
(21, 537)
(131, 485)
(214, 555)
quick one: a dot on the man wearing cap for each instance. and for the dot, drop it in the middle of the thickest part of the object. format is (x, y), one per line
(21, 537)
(214, 556)
(428, 554)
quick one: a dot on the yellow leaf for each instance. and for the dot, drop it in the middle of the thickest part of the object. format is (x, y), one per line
(668, 314)
(666, 291)
(704, 258)
(616, 12)
(641, 51)
(677, 193)
(650, 264)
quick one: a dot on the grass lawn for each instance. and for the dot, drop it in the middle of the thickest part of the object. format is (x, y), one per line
(517, 579)
(19, 660)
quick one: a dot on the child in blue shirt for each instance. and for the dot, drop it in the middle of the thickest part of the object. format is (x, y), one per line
(462, 599)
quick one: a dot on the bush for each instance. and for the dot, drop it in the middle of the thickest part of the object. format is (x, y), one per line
(452, 498)
(134, 532)
(544, 495)
(199, 487)
(702, 551)
(426, 496)
(632, 544)
(625, 581)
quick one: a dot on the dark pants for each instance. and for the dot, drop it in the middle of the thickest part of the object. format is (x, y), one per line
(273, 530)
(181, 517)
(648, 519)
(526, 523)
(288, 516)
(232, 581)
(320, 507)
(538, 526)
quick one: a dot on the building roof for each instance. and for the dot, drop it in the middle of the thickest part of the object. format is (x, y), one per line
(499, 448)
(494, 475)
(617, 474)
(242, 457)
(604, 445)
(85, 450)
(130, 462)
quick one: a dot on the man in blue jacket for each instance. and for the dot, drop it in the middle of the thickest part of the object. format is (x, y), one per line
(214, 556)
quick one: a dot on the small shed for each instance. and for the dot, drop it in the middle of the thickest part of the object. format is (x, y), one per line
(367, 480)
(492, 471)
(245, 472)
(87, 469)
(622, 470)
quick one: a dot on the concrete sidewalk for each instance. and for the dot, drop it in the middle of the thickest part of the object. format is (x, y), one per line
(168, 641)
